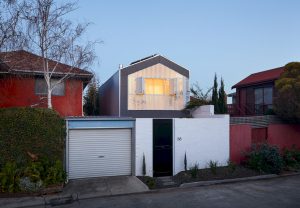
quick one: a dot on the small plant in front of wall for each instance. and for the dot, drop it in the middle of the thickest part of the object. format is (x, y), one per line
(144, 165)
(185, 162)
(231, 166)
(194, 170)
(213, 166)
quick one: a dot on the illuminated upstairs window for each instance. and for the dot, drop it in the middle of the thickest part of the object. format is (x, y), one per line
(154, 86)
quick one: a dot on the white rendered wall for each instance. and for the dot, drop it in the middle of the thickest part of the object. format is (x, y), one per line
(144, 145)
(204, 110)
(203, 139)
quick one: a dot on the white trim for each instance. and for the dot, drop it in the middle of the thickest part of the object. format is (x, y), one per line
(67, 150)
(105, 127)
(119, 92)
(173, 147)
(96, 118)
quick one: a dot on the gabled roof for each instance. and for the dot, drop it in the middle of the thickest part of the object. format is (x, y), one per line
(260, 77)
(152, 60)
(24, 62)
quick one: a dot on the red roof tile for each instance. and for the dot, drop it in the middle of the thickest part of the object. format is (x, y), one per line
(260, 77)
(25, 62)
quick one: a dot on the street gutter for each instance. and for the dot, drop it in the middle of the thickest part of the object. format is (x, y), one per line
(46, 200)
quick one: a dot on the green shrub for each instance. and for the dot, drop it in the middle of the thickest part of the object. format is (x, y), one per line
(9, 177)
(213, 165)
(38, 132)
(33, 171)
(27, 185)
(291, 157)
(151, 183)
(269, 112)
(32, 178)
(31, 148)
(56, 174)
(194, 170)
(231, 166)
(265, 158)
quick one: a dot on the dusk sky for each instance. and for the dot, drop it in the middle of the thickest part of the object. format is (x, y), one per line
(231, 38)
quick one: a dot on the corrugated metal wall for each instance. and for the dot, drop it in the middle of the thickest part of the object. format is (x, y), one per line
(99, 152)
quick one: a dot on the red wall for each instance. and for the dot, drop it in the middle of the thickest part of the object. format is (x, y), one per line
(19, 92)
(259, 135)
(240, 141)
(284, 135)
(243, 135)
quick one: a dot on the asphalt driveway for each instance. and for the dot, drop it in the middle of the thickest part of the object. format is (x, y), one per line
(277, 192)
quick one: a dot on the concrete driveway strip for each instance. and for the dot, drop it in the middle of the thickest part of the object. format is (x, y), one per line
(275, 193)
(81, 189)
(104, 186)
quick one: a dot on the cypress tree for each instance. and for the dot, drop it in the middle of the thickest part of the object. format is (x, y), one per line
(144, 165)
(215, 95)
(185, 162)
(91, 105)
(222, 99)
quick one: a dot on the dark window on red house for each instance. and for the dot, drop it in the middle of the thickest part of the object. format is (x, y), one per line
(41, 87)
(263, 99)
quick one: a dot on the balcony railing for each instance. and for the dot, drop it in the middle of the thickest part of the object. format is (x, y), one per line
(248, 109)
(232, 109)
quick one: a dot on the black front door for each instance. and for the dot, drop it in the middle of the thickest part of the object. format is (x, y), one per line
(162, 147)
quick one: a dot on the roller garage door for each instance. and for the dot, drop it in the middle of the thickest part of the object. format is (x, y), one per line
(99, 152)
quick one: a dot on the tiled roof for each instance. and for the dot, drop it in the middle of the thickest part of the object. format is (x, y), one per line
(260, 77)
(25, 62)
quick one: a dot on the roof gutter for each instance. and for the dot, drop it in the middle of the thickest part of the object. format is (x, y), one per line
(87, 76)
(254, 83)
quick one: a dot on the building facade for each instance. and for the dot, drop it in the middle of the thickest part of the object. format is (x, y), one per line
(151, 87)
(22, 84)
(255, 94)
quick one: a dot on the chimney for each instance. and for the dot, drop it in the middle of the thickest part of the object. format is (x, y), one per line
(120, 66)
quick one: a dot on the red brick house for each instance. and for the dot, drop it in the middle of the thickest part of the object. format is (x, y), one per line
(254, 94)
(22, 83)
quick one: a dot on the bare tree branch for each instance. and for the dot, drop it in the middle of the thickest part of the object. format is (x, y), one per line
(55, 38)
(11, 35)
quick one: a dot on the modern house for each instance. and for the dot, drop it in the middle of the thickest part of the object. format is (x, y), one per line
(113, 146)
(254, 94)
(22, 83)
(153, 87)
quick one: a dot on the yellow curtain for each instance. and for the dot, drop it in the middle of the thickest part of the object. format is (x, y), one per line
(155, 86)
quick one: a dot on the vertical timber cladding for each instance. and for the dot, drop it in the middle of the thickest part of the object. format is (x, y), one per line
(97, 152)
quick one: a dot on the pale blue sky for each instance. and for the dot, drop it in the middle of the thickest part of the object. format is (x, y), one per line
(232, 38)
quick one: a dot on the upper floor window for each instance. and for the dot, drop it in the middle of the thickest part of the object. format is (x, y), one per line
(156, 86)
(263, 99)
(42, 89)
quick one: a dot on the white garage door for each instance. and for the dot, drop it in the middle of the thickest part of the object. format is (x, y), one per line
(99, 152)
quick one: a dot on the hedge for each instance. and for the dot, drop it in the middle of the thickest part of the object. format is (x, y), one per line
(38, 132)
